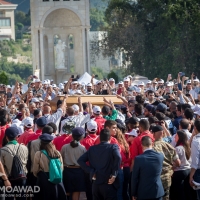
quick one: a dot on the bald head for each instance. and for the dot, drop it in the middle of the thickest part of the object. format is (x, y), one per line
(46, 110)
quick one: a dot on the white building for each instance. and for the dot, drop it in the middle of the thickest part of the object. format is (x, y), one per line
(7, 20)
(106, 63)
(56, 25)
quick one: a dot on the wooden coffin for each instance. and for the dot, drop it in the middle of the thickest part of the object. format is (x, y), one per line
(94, 99)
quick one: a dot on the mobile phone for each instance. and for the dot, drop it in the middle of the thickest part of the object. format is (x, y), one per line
(187, 95)
(104, 79)
(96, 76)
(72, 76)
(169, 76)
(181, 73)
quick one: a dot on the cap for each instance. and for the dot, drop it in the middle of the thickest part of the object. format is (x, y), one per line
(148, 82)
(89, 85)
(149, 107)
(78, 132)
(65, 82)
(120, 83)
(54, 86)
(196, 79)
(141, 83)
(92, 126)
(168, 84)
(138, 90)
(75, 107)
(126, 79)
(133, 133)
(12, 132)
(42, 121)
(28, 122)
(157, 128)
(47, 138)
(161, 107)
(37, 81)
(96, 110)
(112, 79)
(44, 82)
(75, 82)
(188, 82)
(40, 99)
(8, 86)
(35, 100)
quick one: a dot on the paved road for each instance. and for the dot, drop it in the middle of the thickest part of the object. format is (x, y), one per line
(83, 196)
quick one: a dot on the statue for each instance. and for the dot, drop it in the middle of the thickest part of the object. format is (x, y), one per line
(60, 54)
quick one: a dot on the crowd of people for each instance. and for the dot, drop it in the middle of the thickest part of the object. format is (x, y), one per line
(148, 147)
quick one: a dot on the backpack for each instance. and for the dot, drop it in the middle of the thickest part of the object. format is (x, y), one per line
(68, 126)
(55, 171)
(17, 170)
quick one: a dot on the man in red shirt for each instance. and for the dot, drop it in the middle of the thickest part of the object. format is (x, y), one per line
(98, 119)
(111, 125)
(28, 131)
(3, 127)
(91, 137)
(41, 123)
(136, 146)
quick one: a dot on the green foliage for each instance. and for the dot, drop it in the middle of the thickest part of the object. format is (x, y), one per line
(157, 37)
(99, 72)
(20, 26)
(96, 19)
(3, 78)
(23, 18)
(18, 72)
(112, 74)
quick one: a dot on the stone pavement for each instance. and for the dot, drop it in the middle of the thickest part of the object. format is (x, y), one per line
(83, 196)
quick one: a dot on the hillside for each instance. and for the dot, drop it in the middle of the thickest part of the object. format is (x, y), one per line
(24, 5)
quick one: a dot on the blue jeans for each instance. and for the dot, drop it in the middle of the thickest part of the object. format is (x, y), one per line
(120, 189)
(196, 178)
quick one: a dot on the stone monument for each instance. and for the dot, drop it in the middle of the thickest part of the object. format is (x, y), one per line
(60, 38)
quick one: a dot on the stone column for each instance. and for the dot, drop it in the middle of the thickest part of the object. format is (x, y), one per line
(84, 49)
(87, 41)
(42, 53)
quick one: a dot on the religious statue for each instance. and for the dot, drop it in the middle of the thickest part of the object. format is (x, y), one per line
(60, 54)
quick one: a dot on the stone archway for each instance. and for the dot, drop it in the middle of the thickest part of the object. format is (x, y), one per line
(62, 18)
(63, 22)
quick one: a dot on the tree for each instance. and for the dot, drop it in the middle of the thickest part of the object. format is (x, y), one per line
(96, 19)
(20, 26)
(112, 74)
(99, 72)
(3, 78)
(157, 37)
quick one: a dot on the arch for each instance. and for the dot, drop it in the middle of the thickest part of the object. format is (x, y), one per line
(61, 7)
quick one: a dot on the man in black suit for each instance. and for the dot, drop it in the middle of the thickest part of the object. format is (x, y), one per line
(104, 160)
(146, 183)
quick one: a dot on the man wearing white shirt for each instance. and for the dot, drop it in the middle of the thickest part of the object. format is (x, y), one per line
(75, 114)
(55, 118)
(195, 155)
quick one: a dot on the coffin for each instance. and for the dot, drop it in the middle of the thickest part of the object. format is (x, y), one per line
(94, 99)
